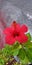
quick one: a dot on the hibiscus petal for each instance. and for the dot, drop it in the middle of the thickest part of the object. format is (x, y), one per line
(10, 40)
(16, 26)
(18, 39)
(8, 31)
(24, 29)
(24, 38)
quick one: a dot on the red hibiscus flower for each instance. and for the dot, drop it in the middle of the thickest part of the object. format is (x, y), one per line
(16, 33)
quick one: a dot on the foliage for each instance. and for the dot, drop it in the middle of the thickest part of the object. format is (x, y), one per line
(24, 52)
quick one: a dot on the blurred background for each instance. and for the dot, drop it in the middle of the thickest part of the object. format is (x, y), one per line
(18, 10)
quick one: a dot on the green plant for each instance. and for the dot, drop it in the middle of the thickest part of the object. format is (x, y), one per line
(23, 52)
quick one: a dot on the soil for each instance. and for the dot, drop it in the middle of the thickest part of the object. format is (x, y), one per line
(11, 63)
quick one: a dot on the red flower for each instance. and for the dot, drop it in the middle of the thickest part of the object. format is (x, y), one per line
(16, 33)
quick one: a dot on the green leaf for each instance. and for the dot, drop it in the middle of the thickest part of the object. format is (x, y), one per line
(29, 36)
(15, 52)
(22, 56)
(15, 49)
(11, 50)
(7, 51)
(28, 50)
(25, 61)
(28, 45)
(21, 52)
(2, 61)
(29, 53)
